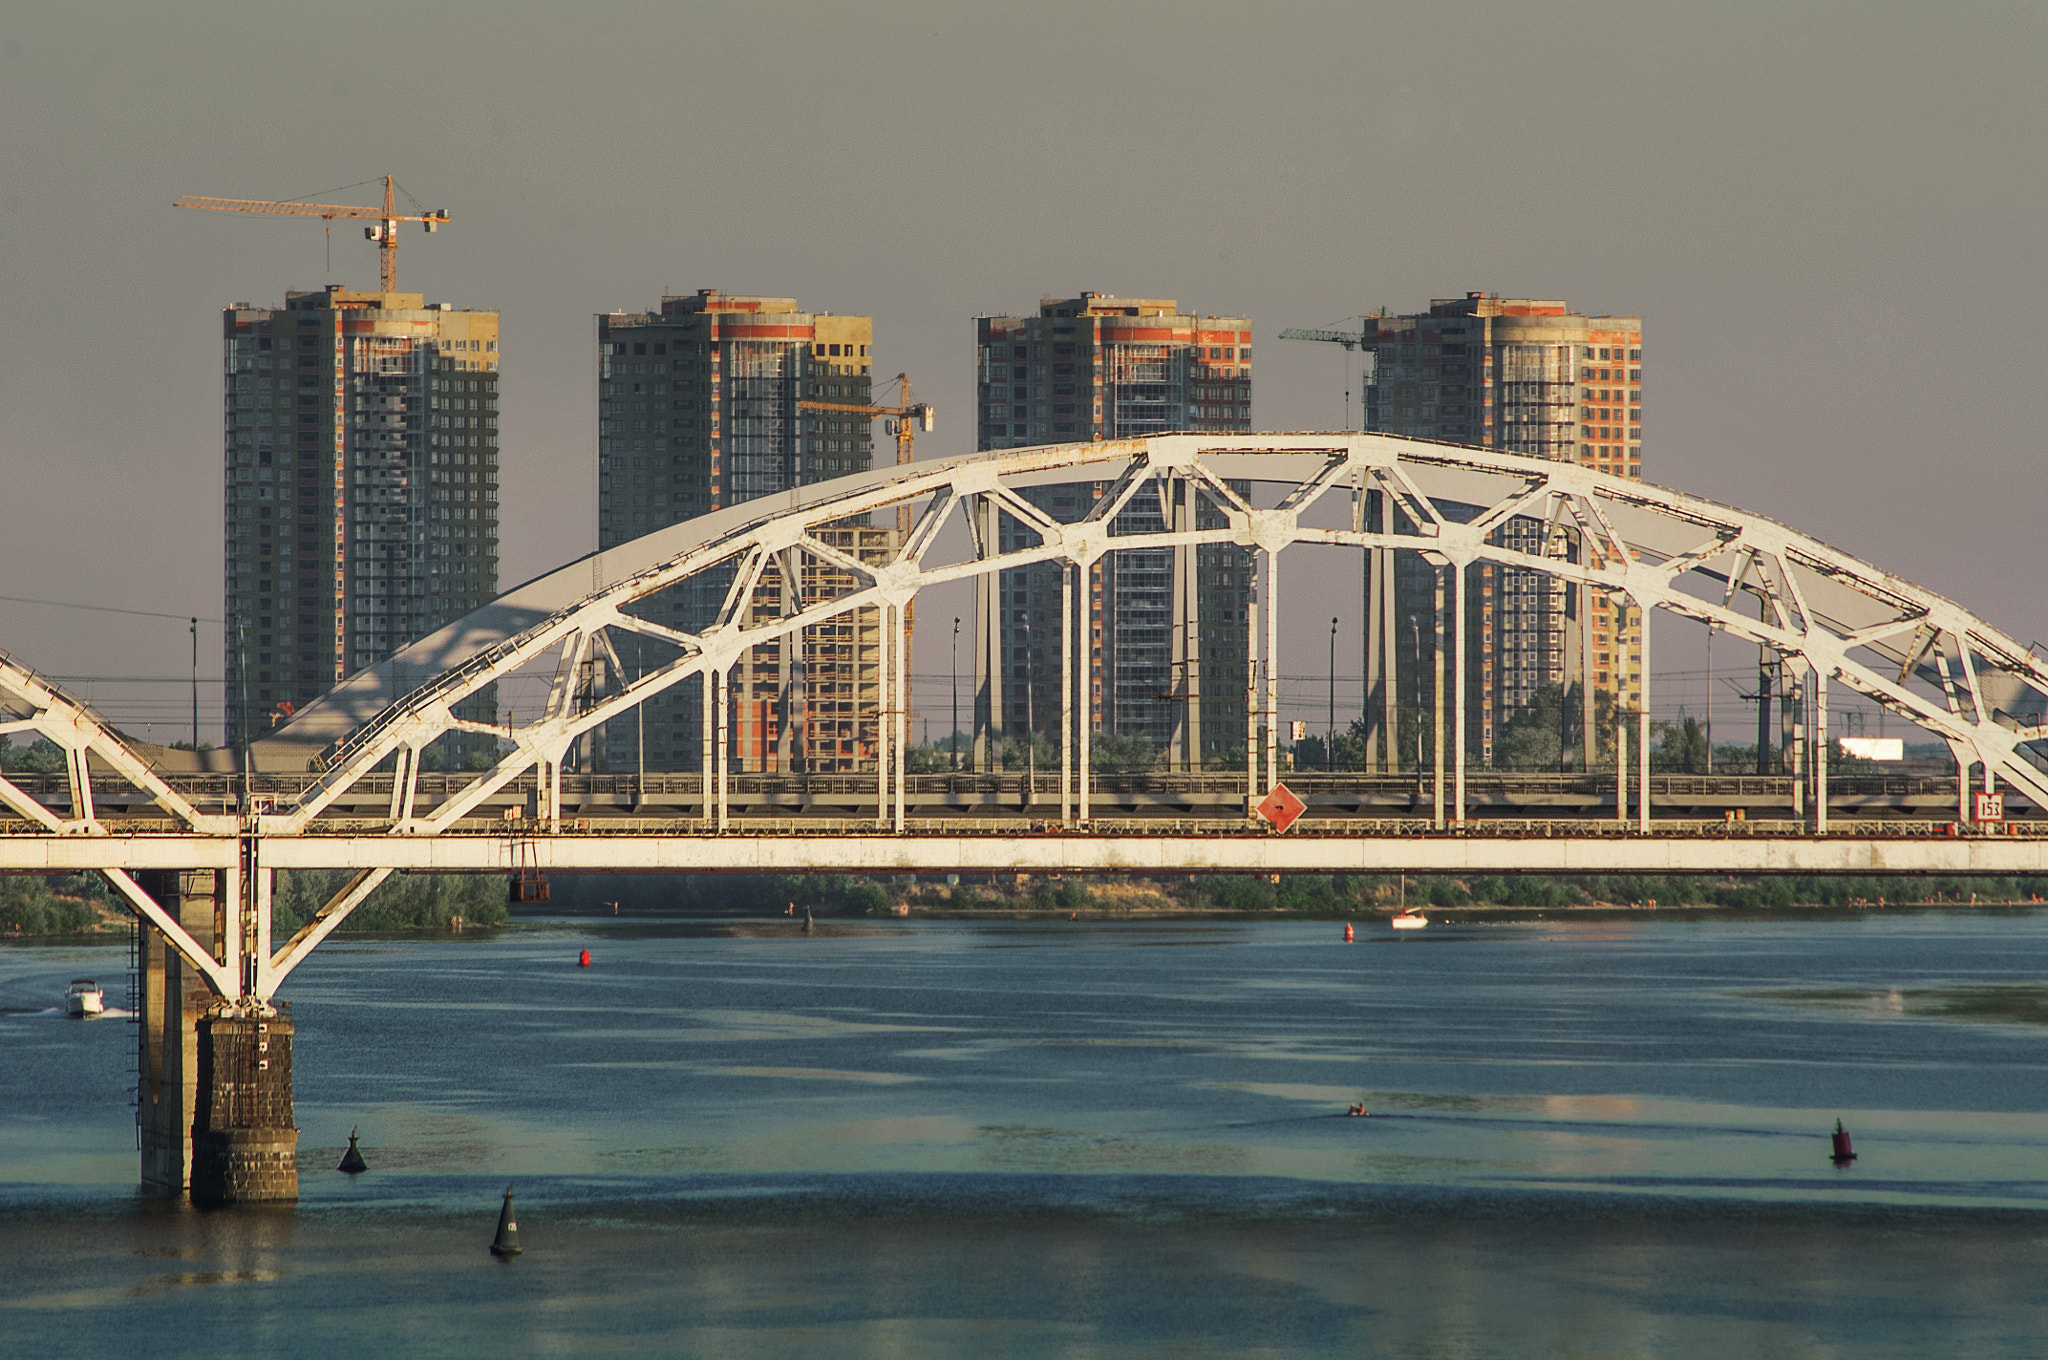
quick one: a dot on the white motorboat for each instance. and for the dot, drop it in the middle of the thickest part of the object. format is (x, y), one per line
(84, 997)
(1411, 919)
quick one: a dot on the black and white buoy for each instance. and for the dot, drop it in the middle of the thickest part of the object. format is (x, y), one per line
(506, 1244)
(352, 1161)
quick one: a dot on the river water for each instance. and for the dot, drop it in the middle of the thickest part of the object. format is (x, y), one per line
(1587, 1138)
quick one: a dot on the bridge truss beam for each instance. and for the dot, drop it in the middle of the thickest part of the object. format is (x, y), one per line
(1532, 847)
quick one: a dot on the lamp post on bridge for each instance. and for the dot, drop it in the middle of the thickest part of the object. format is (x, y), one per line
(953, 739)
(1330, 732)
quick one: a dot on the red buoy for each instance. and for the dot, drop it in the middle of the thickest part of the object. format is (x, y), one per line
(1348, 935)
(1844, 1153)
(584, 962)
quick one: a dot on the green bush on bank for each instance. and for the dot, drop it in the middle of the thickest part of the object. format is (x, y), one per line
(400, 902)
(48, 906)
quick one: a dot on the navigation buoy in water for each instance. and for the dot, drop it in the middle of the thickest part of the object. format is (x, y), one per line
(506, 1243)
(1349, 935)
(807, 919)
(352, 1161)
(584, 960)
(1844, 1152)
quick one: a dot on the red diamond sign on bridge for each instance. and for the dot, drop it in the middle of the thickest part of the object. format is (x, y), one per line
(1281, 807)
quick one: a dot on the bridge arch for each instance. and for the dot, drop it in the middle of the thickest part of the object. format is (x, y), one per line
(1845, 621)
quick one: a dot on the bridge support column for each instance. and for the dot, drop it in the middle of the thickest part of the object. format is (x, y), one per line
(1382, 728)
(899, 700)
(983, 520)
(1589, 706)
(1272, 593)
(721, 752)
(885, 717)
(1461, 679)
(1794, 705)
(1066, 691)
(1620, 764)
(1436, 755)
(1820, 751)
(214, 1084)
(707, 734)
(1643, 612)
(1188, 605)
(1251, 706)
(1083, 642)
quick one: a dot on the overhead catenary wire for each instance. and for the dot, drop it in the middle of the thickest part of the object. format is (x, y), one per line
(107, 609)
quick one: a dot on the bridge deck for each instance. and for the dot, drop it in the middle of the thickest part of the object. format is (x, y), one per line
(1114, 845)
(1345, 797)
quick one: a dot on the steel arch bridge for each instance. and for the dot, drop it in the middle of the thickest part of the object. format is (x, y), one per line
(343, 786)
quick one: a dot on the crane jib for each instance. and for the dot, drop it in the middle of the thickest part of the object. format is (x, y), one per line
(385, 233)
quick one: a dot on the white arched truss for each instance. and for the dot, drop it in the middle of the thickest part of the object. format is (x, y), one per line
(33, 707)
(1843, 620)
(1834, 617)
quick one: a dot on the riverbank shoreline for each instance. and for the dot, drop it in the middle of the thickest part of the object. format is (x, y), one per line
(1470, 914)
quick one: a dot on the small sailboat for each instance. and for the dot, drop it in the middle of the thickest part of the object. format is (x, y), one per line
(84, 997)
(1411, 919)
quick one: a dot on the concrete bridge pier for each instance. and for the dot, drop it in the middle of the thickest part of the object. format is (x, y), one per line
(215, 1075)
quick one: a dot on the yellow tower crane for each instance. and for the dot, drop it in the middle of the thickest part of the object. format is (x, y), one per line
(1362, 340)
(384, 233)
(906, 418)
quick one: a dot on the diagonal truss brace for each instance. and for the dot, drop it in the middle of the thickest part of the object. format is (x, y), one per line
(272, 971)
(220, 975)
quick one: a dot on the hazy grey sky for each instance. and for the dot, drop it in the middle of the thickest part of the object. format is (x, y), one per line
(1830, 217)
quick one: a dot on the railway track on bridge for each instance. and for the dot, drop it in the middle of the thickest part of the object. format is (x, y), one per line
(1388, 802)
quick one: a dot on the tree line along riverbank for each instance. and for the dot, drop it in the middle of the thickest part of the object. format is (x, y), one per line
(82, 905)
(1292, 894)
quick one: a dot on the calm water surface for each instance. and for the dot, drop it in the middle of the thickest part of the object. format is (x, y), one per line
(911, 1139)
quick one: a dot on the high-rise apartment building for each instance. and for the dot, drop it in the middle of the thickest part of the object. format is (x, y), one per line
(1168, 627)
(698, 410)
(1526, 377)
(361, 468)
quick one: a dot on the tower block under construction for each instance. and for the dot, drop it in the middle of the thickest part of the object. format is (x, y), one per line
(1528, 377)
(1166, 626)
(699, 409)
(360, 440)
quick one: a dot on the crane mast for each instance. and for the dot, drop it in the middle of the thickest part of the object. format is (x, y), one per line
(1364, 339)
(384, 233)
(908, 415)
